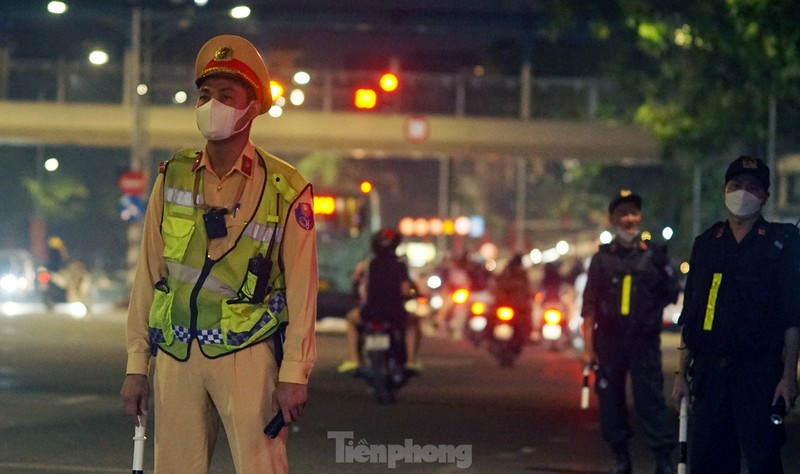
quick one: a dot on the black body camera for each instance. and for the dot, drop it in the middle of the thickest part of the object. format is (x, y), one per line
(214, 220)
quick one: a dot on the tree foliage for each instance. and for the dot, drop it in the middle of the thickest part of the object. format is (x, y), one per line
(703, 69)
(58, 199)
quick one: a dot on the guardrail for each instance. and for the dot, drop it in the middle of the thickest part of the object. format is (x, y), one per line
(461, 94)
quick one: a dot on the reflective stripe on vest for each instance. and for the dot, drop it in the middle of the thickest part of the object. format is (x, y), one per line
(189, 275)
(711, 306)
(625, 299)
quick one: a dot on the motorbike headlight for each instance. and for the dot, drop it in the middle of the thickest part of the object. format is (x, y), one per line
(9, 283)
(436, 302)
(434, 282)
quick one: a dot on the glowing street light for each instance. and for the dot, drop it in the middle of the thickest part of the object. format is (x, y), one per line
(98, 57)
(51, 164)
(57, 8)
(240, 12)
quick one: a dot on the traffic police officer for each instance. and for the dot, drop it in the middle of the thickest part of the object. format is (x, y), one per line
(740, 329)
(630, 281)
(228, 258)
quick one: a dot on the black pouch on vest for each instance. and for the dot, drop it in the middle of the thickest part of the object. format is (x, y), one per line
(214, 221)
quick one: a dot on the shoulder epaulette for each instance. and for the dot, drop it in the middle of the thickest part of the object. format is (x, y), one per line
(717, 230)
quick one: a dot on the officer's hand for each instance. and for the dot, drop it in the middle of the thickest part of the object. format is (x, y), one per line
(135, 395)
(680, 390)
(291, 398)
(786, 389)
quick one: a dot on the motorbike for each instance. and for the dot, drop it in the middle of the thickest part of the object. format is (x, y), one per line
(476, 323)
(52, 287)
(505, 333)
(384, 350)
(555, 332)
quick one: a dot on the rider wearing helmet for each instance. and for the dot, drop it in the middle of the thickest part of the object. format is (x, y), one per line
(383, 285)
(387, 282)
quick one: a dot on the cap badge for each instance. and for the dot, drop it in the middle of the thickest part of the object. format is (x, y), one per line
(223, 54)
(625, 192)
(749, 163)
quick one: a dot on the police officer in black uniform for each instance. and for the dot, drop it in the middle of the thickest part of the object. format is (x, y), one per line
(740, 330)
(630, 281)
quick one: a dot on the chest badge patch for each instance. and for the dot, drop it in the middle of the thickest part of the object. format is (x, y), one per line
(304, 215)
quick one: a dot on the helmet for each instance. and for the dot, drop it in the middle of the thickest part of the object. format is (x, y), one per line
(385, 240)
(55, 242)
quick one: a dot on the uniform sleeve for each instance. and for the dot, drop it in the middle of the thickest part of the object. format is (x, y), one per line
(690, 290)
(790, 281)
(590, 292)
(300, 262)
(150, 268)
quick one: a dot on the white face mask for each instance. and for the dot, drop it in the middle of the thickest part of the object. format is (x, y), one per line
(216, 120)
(742, 204)
(625, 235)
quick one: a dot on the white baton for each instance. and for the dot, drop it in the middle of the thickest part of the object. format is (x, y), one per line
(585, 388)
(684, 421)
(138, 445)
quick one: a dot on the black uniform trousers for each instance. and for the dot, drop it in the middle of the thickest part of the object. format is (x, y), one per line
(641, 357)
(731, 414)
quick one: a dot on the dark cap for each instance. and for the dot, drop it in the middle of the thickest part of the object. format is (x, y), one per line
(625, 195)
(749, 165)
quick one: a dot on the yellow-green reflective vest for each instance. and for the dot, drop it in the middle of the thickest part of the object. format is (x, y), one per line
(210, 300)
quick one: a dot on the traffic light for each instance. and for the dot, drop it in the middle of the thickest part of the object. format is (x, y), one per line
(365, 187)
(365, 99)
(389, 82)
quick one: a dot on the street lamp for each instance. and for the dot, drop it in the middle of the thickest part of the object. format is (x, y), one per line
(240, 12)
(51, 164)
(98, 57)
(57, 8)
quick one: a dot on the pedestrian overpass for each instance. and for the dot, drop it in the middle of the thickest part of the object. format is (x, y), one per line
(352, 133)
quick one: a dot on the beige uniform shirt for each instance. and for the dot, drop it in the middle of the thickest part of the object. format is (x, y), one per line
(299, 252)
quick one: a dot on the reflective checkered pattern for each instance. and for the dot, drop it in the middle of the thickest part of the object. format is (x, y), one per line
(209, 336)
(277, 303)
(156, 336)
(181, 333)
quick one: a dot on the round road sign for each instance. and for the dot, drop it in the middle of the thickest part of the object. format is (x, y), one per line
(416, 128)
(132, 182)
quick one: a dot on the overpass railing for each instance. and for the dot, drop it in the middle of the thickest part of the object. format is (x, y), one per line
(461, 94)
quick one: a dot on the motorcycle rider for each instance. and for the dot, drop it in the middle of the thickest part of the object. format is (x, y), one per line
(513, 288)
(383, 285)
(455, 276)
